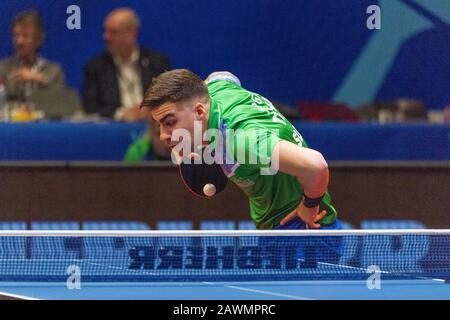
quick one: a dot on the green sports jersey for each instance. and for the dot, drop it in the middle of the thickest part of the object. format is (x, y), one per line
(139, 149)
(257, 127)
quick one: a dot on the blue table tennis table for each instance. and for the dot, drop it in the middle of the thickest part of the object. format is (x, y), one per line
(224, 265)
(276, 290)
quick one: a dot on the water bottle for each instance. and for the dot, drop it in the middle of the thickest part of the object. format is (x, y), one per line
(4, 114)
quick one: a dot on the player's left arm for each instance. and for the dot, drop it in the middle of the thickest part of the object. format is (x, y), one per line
(311, 170)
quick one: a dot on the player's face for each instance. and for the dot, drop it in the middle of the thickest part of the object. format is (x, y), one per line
(160, 148)
(175, 116)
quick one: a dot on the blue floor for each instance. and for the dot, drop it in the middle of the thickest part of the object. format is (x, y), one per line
(299, 290)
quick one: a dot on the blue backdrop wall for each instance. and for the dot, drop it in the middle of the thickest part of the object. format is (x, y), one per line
(288, 50)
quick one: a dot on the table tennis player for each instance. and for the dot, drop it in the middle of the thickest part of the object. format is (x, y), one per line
(294, 196)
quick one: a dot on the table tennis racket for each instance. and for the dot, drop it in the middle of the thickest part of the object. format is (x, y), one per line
(198, 175)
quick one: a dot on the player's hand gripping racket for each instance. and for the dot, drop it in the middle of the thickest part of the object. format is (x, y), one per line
(202, 179)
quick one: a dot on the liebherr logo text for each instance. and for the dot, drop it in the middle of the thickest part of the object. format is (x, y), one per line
(227, 257)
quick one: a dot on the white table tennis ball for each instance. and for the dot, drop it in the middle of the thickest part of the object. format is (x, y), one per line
(209, 189)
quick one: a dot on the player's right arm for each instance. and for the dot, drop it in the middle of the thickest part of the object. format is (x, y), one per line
(311, 171)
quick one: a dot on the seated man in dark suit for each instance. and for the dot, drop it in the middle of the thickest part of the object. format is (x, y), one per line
(115, 81)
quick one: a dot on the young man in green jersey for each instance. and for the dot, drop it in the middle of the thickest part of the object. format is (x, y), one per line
(286, 186)
(297, 184)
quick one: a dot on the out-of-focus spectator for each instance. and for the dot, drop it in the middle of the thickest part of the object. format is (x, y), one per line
(148, 146)
(115, 81)
(447, 114)
(410, 110)
(26, 71)
(400, 110)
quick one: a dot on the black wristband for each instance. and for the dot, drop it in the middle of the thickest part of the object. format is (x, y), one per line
(311, 203)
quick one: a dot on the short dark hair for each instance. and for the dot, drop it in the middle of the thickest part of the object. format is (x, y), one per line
(30, 17)
(174, 86)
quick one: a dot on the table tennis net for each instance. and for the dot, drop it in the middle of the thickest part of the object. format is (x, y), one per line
(156, 256)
